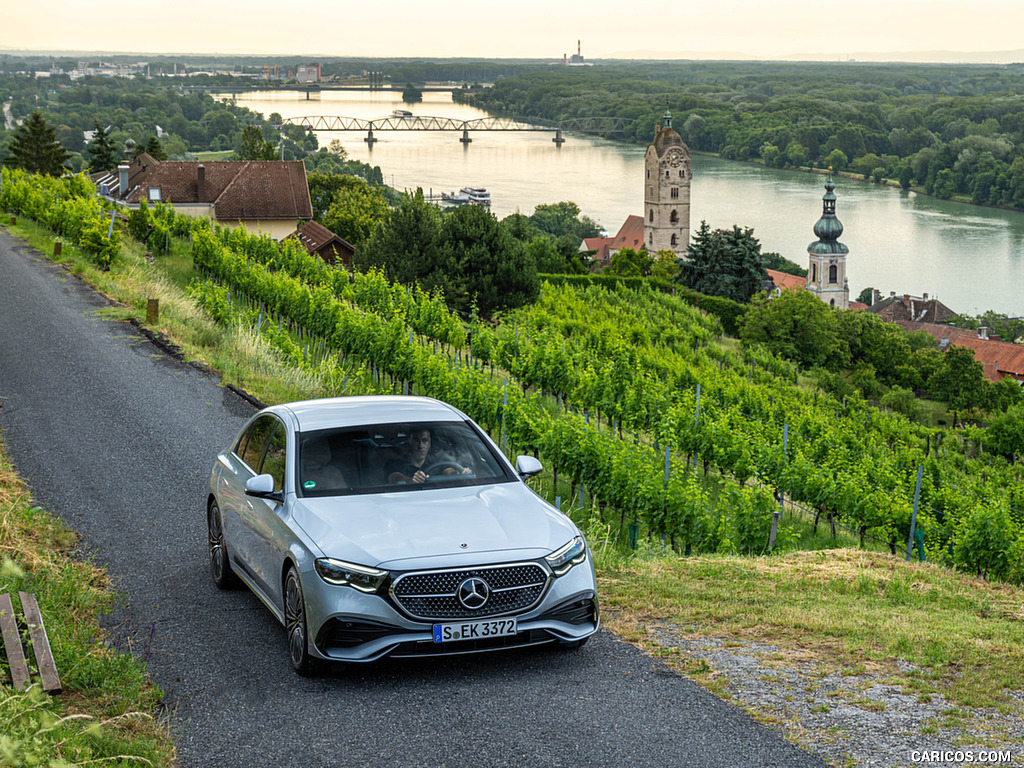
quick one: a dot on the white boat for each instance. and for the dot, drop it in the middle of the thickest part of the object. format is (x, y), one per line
(468, 196)
(476, 195)
(401, 113)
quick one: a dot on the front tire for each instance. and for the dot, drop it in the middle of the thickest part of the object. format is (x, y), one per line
(295, 625)
(220, 564)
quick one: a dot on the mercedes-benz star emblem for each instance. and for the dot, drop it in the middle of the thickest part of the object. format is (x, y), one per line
(473, 593)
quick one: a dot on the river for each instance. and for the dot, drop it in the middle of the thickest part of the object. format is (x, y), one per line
(971, 258)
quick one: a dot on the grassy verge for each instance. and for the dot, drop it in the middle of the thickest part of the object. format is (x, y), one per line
(103, 716)
(842, 609)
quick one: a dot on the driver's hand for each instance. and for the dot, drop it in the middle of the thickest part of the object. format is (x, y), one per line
(420, 476)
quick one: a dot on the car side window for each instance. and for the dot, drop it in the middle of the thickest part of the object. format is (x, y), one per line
(253, 444)
(274, 461)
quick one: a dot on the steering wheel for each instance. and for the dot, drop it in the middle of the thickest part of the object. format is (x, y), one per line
(439, 466)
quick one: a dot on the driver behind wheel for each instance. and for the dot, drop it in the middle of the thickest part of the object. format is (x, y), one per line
(412, 467)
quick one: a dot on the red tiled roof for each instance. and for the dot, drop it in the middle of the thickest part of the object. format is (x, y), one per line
(599, 245)
(999, 358)
(786, 281)
(318, 239)
(238, 189)
(630, 235)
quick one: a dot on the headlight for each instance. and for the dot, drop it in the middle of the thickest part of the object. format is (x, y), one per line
(564, 558)
(344, 574)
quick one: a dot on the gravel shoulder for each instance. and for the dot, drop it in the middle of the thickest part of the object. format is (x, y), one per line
(855, 717)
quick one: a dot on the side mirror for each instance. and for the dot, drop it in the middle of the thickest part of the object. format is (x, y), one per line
(527, 466)
(262, 487)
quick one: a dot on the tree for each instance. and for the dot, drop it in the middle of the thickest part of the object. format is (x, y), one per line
(407, 245)
(564, 218)
(782, 264)
(723, 263)
(961, 381)
(838, 160)
(488, 268)
(771, 155)
(796, 154)
(254, 146)
(34, 147)
(630, 263)
(356, 211)
(866, 296)
(1006, 433)
(796, 325)
(154, 148)
(102, 153)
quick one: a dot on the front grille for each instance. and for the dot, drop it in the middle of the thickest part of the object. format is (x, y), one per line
(433, 595)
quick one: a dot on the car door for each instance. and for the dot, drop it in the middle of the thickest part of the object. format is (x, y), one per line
(239, 511)
(266, 517)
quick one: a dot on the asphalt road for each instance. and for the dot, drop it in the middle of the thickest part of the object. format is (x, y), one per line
(118, 438)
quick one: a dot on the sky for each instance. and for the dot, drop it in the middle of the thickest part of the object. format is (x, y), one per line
(836, 30)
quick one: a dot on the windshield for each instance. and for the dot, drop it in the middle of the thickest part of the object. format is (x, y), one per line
(395, 457)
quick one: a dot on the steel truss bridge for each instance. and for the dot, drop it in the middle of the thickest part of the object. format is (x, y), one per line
(589, 125)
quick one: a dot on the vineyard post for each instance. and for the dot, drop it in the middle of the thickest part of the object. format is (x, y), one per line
(913, 516)
(110, 232)
(504, 407)
(696, 421)
(782, 494)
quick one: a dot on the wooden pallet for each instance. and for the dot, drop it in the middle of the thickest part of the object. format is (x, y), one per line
(17, 658)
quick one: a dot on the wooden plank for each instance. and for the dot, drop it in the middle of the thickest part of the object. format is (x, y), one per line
(40, 643)
(12, 644)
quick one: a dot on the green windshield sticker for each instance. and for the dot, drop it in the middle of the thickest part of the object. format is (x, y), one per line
(309, 484)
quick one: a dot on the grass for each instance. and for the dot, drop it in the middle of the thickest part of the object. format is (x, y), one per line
(103, 716)
(840, 609)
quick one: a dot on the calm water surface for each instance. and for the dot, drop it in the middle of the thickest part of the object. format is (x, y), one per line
(970, 258)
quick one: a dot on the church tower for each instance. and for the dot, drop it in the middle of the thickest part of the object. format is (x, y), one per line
(667, 192)
(826, 274)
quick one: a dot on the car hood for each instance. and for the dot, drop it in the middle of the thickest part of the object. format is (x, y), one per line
(432, 528)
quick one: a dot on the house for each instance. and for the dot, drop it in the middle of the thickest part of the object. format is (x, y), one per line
(998, 358)
(912, 309)
(320, 241)
(630, 235)
(270, 197)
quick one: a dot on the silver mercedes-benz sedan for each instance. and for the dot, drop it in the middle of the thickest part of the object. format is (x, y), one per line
(376, 526)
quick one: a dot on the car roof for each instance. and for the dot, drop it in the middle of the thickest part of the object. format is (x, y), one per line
(377, 409)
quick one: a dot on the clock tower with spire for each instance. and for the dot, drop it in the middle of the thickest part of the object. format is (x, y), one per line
(826, 274)
(667, 191)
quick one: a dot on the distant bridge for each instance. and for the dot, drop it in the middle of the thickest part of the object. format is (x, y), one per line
(591, 125)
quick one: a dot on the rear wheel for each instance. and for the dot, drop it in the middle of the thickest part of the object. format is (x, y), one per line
(220, 566)
(295, 625)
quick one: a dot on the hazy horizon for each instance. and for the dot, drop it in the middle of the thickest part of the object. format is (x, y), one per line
(866, 30)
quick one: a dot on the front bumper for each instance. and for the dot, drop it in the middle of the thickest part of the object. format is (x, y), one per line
(350, 626)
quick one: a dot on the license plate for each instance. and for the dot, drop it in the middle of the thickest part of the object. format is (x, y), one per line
(474, 630)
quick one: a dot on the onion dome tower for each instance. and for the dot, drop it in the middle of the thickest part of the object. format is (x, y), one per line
(826, 275)
(667, 191)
